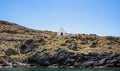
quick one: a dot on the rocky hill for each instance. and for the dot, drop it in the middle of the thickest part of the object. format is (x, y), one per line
(21, 46)
(17, 31)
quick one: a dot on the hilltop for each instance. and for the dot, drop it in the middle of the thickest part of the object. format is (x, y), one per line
(45, 48)
(8, 28)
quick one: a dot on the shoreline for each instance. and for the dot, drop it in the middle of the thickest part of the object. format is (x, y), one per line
(66, 59)
(61, 67)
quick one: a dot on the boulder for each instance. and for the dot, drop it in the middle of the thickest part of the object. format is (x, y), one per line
(25, 49)
(93, 44)
(60, 56)
(73, 46)
(7, 64)
(19, 64)
(42, 41)
(101, 62)
(69, 62)
(88, 64)
(1, 60)
(114, 55)
(80, 57)
(10, 51)
(44, 60)
(39, 57)
(27, 46)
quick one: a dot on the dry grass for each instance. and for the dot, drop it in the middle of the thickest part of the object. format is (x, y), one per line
(14, 35)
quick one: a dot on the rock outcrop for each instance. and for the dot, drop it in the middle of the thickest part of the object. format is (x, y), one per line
(21, 47)
(63, 58)
(27, 46)
(10, 51)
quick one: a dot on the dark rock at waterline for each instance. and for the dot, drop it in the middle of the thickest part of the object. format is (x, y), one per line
(19, 64)
(7, 64)
(64, 58)
(40, 58)
(15, 64)
(44, 60)
(34, 57)
(79, 57)
(88, 64)
(69, 62)
(60, 56)
(10, 51)
(101, 62)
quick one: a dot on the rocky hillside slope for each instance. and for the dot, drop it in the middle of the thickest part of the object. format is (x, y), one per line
(45, 48)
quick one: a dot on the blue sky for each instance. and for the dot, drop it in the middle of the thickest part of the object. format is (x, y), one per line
(101, 17)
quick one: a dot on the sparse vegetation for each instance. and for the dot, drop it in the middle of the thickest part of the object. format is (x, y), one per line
(26, 41)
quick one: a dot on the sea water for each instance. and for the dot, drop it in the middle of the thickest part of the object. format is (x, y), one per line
(54, 69)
